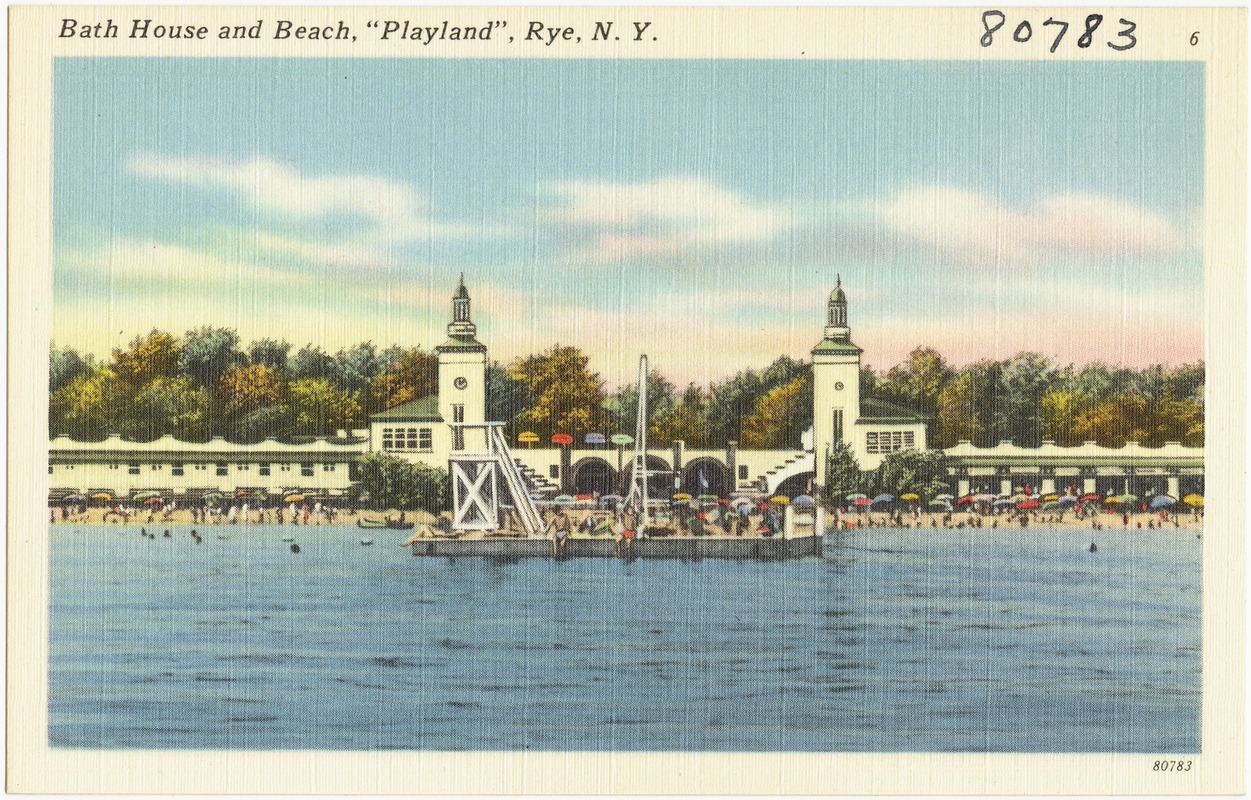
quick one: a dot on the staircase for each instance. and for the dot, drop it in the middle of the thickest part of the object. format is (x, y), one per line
(796, 464)
(539, 486)
(522, 502)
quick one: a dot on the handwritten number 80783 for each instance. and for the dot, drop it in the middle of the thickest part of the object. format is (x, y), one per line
(992, 21)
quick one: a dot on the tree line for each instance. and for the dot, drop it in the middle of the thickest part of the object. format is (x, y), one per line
(205, 383)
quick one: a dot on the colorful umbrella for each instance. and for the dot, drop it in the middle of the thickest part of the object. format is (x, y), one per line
(293, 498)
(1086, 498)
(1065, 502)
(803, 500)
(102, 496)
(611, 498)
(884, 498)
(854, 497)
(1193, 500)
(1050, 505)
(681, 496)
(242, 493)
(142, 496)
(941, 505)
(564, 498)
(780, 499)
(913, 496)
(944, 497)
(862, 501)
(78, 498)
(1161, 501)
(153, 501)
(1051, 498)
(1026, 505)
(968, 499)
(1111, 501)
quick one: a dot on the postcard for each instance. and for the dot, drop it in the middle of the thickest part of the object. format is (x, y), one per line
(626, 400)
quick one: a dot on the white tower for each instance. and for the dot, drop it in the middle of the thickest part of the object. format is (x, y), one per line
(462, 375)
(835, 383)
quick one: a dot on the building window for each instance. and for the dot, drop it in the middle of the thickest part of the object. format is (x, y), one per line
(306, 470)
(889, 441)
(262, 468)
(221, 468)
(244, 467)
(458, 434)
(458, 413)
(284, 468)
(837, 434)
(132, 469)
(49, 469)
(742, 472)
(176, 468)
(553, 471)
(156, 467)
(327, 467)
(407, 439)
(113, 466)
(425, 438)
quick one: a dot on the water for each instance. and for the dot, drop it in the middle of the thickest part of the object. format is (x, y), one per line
(917, 640)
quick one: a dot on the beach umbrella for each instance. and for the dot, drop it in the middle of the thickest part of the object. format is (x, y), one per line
(780, 499)
(212, 498)
(153, 501)
(1003, 503)
(984, 498)
(594, 438)
(1193, 500)
(142, 496)
(913, 497)
(1066, 502)
(721, 501)
(941, 505)
(104, 496)
(803, 500)
(1019, 497)
(1051, 498)
(855, 497)
(1127, 498)
(884, 498)
(1161, 501)
(707, 497)
(73, 498)
(242, 493)
(1086, 498)
(293, 498)
(681, 496)
(1050, 505)
(968, 499)
(564, 498)
(947, 497)
(581, 498)
(1027, 504)
(1112, 501)
(611, 498)
(862, 501)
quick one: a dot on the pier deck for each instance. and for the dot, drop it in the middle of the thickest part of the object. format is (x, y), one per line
(687, 548)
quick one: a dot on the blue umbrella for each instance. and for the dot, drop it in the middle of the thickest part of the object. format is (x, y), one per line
(594, 438)
(1161, 501)
(803, 500)
(884, 498)
(1004, 503)
(1065, 502)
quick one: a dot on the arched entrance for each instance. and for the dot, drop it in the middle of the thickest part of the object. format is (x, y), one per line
(592, 475)
(659, 478)
(796, 485)
(705, 476)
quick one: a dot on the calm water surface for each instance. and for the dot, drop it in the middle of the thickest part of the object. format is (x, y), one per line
(921, 640)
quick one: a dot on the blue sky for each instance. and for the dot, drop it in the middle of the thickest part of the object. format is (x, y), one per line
(694, 210)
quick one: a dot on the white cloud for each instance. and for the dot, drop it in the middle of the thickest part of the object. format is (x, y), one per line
(980, 230)
(143, 260)
(398, 212)
(662, 216)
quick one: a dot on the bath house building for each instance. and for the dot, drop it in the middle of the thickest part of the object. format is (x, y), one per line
(430, 429)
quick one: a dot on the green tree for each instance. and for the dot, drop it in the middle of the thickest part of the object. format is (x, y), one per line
(311, 361)
(388, 482)
(146, 359)
(412, 375)
(661, 403)
(843, 476)
(918, 382)
(205, 354)
(270, 353)
(321, 408)
(356, 367)
(88, 407)
(781, 416)
(1022, 382)
(920, 471)
(65, 364)
(506, 398)
(173, 406)
(568, 397)
(966, 407)
(688, 421)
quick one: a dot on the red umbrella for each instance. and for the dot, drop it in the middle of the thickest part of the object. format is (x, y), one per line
(966, 500)
(1025, 505)
(153, 501)
(862, 501)
(1086, 498)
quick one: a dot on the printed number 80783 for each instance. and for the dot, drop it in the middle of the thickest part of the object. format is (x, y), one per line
(1172, 766)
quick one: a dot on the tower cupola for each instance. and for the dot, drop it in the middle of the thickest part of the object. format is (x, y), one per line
(461, 326)
(836, 328)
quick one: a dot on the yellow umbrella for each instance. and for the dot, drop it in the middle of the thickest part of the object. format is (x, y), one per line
(780, 499)
(293, 498)
(910, 496)
(1051, 498)
(102, 496)
(1194, 500)
(681, 496)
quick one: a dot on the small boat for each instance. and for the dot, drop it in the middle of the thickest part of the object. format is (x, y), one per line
(367, 542)
(288, 538)
(370, 523)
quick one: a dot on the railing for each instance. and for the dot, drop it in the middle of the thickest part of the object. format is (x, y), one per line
(531, 521)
